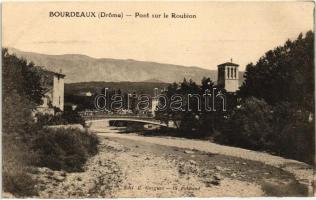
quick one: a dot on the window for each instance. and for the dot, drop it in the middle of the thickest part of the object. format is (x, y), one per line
(222, 73)
(59, 100)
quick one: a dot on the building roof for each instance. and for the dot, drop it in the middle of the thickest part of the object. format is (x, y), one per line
(51, 72)
(228, 64)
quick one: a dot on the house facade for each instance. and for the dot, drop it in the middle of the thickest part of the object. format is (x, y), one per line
(53, 84)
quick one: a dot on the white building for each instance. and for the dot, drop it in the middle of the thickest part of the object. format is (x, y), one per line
(53, 83)
(154, 104)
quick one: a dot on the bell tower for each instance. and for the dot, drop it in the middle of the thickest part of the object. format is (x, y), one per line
(228, 76)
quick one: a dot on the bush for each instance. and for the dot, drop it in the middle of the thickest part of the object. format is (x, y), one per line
(249, 126)
(15, 177)
(66, 117)
(17, 127)
(64, 149)
(293, 133)
(283, 129)
(297, 142)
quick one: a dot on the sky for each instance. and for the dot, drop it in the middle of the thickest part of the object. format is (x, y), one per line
(220, 31)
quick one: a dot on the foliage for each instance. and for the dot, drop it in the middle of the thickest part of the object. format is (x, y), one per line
(284, 78)
(294, 135)
(19, 97)
(250, 126)
(279, 129)
(29, 78)
(18, 115)
(66, 117)
(21, 93)
(178, 112)
(21, 136)
(16, 157)
(285, 74)
(192, 116)
(66, 149)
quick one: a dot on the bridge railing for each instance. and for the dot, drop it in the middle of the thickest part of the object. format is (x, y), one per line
(139, 118)
(90, 117)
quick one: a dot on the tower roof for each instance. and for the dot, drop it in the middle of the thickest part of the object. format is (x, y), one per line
(228, 64)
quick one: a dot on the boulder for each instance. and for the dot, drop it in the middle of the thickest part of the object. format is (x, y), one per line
(192, 162)
(188, 151)
(219, 168)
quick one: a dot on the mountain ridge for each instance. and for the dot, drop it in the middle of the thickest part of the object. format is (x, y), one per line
(83, 68)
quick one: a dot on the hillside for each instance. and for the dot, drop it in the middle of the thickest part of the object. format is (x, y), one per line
(125, 87)
(82, 68)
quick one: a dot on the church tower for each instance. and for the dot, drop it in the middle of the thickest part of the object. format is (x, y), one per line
(228, 76)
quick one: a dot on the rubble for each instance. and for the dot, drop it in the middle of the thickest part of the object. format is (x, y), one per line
(192, 162)
(188, 151)
(218, 168)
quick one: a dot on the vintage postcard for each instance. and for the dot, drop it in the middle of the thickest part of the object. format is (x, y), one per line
(158, 99)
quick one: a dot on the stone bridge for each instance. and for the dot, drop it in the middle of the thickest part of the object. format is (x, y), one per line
(103, 123)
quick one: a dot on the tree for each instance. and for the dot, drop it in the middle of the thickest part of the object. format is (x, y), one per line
(22, 92)
(194, 115)
(294, 135)
(277, 110)
(249, 126)
(284, 74)
(22, 77)
(183, 113)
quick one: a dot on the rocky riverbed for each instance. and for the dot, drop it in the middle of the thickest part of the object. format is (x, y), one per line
(127, 167)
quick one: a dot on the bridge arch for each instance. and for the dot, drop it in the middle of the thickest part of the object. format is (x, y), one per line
(104, 124)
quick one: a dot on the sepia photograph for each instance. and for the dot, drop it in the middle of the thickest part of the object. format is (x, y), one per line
(158, 99)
